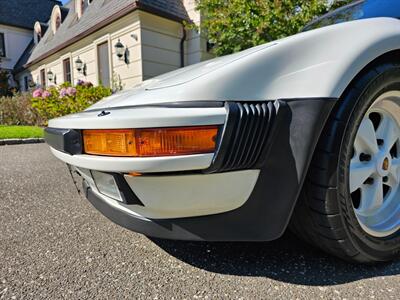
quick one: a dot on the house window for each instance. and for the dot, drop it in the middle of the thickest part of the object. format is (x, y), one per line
(2, 45)
(67, 70)
(43, 78)
(26, 83)
(58, 22)
(39, 35)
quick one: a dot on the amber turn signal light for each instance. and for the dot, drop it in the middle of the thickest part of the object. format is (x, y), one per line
(150, 142)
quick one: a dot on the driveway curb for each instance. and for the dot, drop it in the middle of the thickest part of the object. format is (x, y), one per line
(21, 141)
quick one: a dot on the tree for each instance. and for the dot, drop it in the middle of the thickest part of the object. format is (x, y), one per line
(338, 3)
(234, 25)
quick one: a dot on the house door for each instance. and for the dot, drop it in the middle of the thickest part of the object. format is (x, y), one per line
(103, 63)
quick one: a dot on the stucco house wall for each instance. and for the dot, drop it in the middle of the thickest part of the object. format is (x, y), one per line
(160, 44)
(196, 42)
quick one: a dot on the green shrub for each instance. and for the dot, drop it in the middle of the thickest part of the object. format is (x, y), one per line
(18, 110)
(59, 101)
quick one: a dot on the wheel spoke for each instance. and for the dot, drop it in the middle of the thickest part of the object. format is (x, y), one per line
(388, 131)
(394, 173)
(366, 138)
(392, 180)
(371, 196)
(359, 172)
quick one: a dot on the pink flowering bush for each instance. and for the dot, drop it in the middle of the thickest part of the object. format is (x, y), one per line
(66, 99)
(71, 91)
(46, 94)
(63, 93)
(84, 83)
(37, 93)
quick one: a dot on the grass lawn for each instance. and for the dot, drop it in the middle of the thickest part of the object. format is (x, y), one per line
(14, 132)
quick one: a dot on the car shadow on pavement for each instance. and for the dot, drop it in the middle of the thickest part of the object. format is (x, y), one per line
(287, 259)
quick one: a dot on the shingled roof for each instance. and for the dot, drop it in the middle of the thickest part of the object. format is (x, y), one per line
(99, 14)
(24, 13)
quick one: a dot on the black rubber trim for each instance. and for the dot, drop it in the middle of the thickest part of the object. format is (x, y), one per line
(283, 166)
(246, 132)
(154, 228)
(128, 196)
(180, 104)
(65, 140)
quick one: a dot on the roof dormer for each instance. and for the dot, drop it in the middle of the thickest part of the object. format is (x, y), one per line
(39, 30)
(81, 6)
(57, 17)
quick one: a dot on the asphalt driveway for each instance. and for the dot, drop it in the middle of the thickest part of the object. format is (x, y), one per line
(54, 244)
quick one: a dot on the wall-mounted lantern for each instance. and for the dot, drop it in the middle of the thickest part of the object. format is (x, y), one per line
(79, 64)
(50, 75)
(122, 51)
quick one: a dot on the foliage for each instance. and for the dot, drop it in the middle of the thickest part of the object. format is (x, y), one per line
(17, 110)
(21, 132)
(339, 3)
(116, 84)
(236, 25)
(59, 101)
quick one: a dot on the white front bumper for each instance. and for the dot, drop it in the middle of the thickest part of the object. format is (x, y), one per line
(180, 196)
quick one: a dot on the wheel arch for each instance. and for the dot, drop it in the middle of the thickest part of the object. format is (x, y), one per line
(392, 56)
(322, 207)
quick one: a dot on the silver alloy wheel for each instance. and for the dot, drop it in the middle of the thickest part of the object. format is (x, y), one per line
(374, 175)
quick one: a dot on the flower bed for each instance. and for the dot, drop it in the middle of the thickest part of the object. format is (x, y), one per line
(59, 101)
(44, 104)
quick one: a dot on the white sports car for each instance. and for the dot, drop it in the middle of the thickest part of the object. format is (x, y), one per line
(302, 132)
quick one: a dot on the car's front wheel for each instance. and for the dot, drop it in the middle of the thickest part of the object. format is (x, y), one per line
(350, 203)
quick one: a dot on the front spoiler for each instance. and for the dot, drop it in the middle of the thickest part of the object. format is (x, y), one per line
(267, 212)
(155, 228)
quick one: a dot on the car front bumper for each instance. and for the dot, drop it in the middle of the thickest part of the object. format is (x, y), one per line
(267, 149)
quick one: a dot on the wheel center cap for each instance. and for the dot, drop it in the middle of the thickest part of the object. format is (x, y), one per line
(385, 164)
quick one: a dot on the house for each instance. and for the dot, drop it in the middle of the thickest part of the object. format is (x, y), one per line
(16, 23)
(116, 43)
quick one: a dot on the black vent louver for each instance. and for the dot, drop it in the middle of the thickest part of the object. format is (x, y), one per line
(245, 135)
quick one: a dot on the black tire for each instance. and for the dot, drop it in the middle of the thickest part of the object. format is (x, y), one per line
(324, 215)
